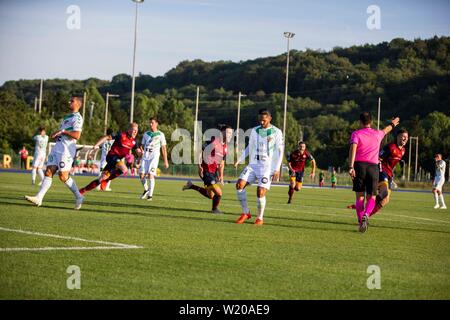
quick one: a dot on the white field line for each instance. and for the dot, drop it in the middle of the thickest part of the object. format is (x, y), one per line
(107, 245)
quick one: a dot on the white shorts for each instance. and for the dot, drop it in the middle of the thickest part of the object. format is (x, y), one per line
(256, 174)
(38, 160)
(438, 184)
(63, 160)
(149, 166)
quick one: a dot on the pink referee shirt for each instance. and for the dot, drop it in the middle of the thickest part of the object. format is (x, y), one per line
(368, 142)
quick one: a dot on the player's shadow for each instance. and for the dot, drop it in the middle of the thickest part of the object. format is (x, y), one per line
(153, 214)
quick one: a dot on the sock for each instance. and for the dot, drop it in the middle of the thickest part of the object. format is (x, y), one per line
(370, 205)
(359, 204)
(152, 186)
(144, 182)
(33, 175)
(94, 184)
(436, 197)
(216, 201)
(46, 184)
(291, 192)
(70, 183)
(242, 197)
(114, 174)
(40, 173)
(201, 190)
(441, 196)
(378, 206)
(261, 205)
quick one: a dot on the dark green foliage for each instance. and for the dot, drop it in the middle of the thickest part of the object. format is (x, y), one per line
(327, 91)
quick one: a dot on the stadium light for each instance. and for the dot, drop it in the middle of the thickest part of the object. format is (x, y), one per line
(134, 60)
(108, 95)
(40, 95)
(409, 158)
(238, 123)
(288, 35)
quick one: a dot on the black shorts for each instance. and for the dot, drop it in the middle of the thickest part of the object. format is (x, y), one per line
(298, 176)
(384, 177)
(366, 179)
(209, 178)
(111, 163)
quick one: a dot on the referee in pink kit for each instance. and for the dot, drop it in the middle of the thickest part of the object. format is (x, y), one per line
(363, 165)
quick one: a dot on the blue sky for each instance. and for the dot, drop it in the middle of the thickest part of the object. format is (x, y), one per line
(35, 42)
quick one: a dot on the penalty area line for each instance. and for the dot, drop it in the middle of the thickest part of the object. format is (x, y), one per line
(106, 245)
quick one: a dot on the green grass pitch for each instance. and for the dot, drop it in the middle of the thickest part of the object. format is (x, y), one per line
(310, 249)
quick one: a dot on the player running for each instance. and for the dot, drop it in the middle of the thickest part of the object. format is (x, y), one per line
(124, 143)
(438, 182)
(152, 142)
(211, 168)
(40, 150)
(265, 151)
(106, 146)
(297, 161)
(62, 155)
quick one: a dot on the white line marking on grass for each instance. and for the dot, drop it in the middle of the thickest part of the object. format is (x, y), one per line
(65, 248)
(107, 245)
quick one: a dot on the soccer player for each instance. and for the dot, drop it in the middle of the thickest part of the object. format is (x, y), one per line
(390, 155)
(297, 162)
(265, 151)
(333, 179)
(438, 182)
(106, 146)
(321, 179)
(23, 158)
(62, 155)
(124, 142)
(363, 165)
(40, 150)
(153, 142)
(211, 168)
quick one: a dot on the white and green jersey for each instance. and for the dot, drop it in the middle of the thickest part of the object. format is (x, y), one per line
(71, 122)
(40, 146)
(152, 143)
(106, 146)
(440, 170)
(265, 148)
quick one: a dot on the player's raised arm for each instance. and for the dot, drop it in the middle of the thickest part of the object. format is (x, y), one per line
(100, 141)
(392, 125)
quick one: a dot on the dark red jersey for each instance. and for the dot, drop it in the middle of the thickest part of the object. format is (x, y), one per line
(390, 156)
(122, 145)
(214, 152)
(298, 160)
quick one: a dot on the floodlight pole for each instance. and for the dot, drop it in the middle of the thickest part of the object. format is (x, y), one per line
(134, 60)
(240, 95)
(84, 103)
(197, 101)
(288, 35)
(379, 111)
(108, 95)
(409, 157)
(40, 95)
